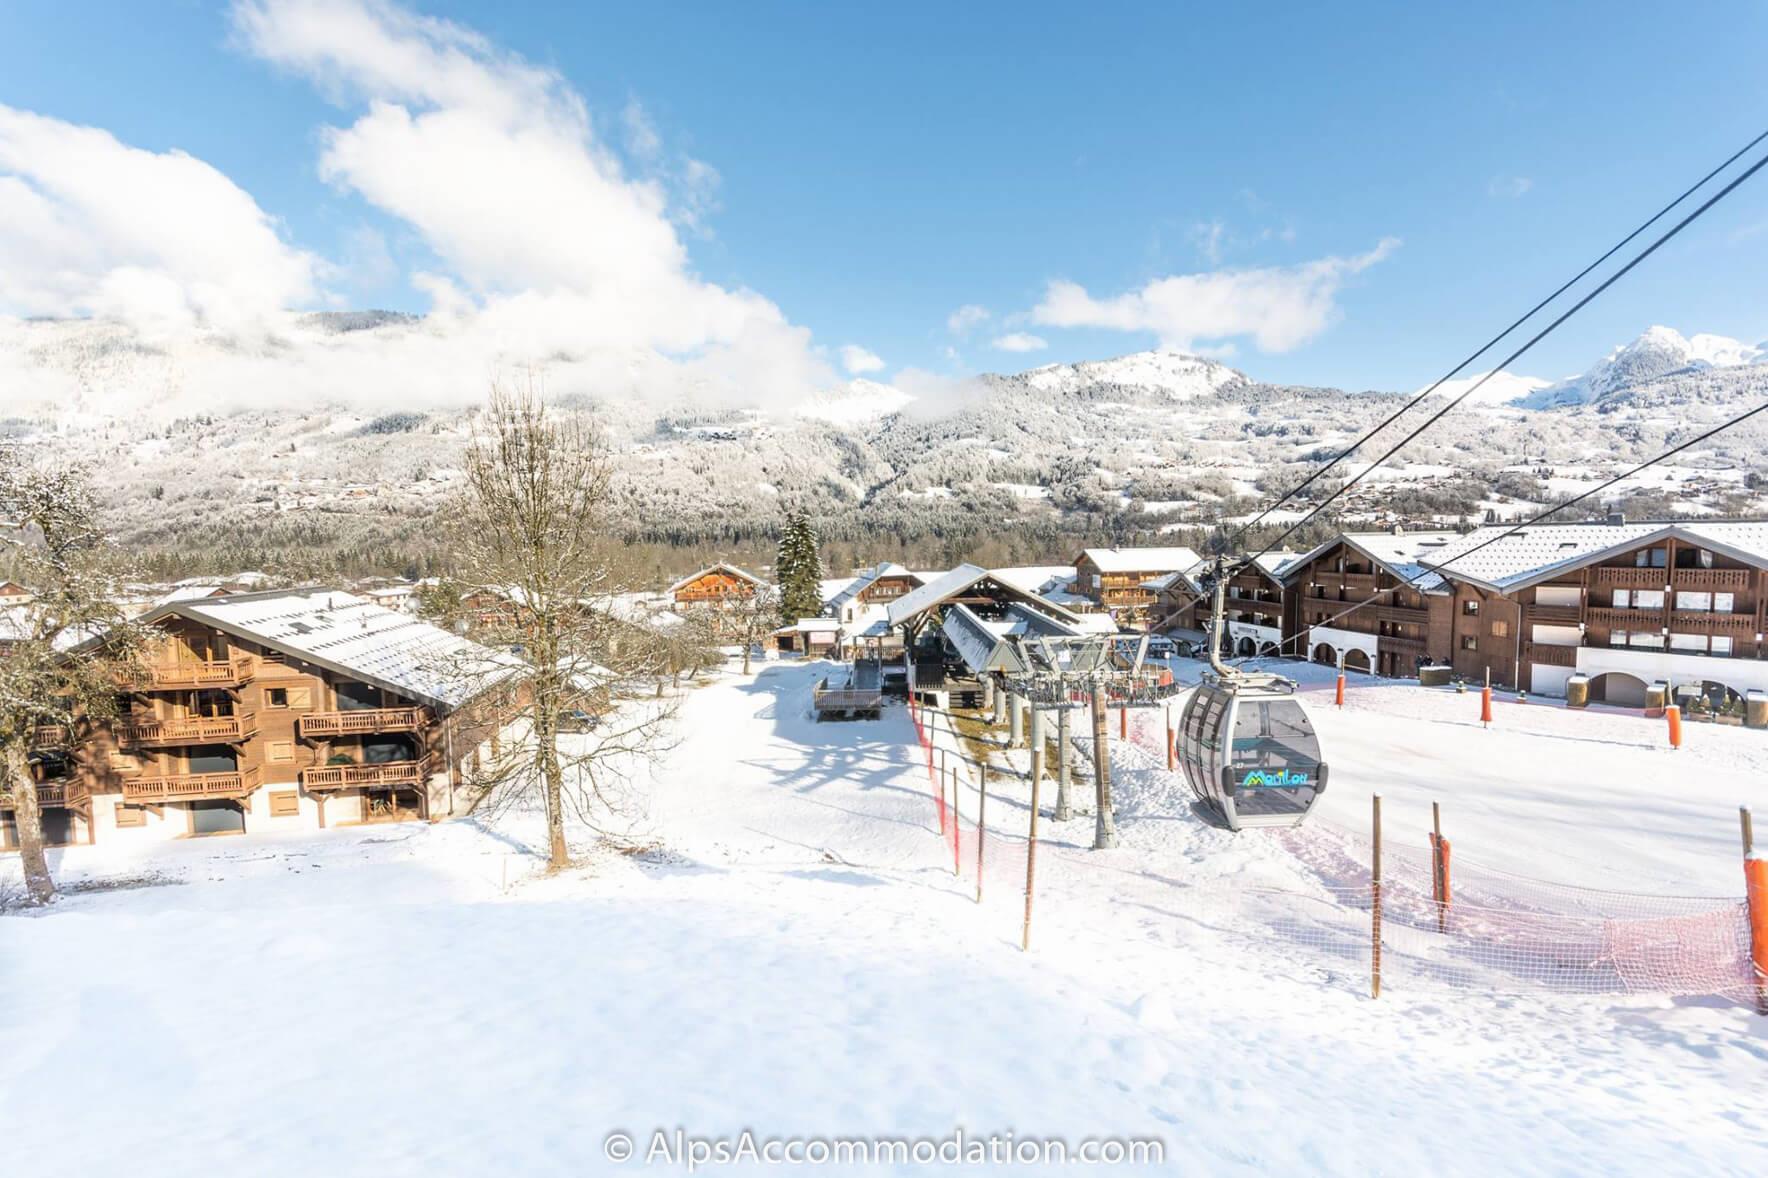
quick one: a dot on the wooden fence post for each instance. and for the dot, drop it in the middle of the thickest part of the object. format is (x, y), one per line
(1375, 905)
(981, 823)
(1755, 878)
(1030, 867)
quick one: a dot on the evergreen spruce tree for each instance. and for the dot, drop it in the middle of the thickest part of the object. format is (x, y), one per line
(799, 570)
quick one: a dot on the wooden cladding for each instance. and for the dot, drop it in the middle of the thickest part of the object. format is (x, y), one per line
(390, 774)
(1552, 656)
(362, 722)
(285, 803)
(181, 787)
(188, 730)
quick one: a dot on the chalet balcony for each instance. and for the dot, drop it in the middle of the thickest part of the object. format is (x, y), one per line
(192, 674)
(187, 730)
(1555, 615)
(1615, 577)
(49, 736)
(1405, 645)
(1724, 580)
(1548, 655)
(362, 722)
(1625, 619)
(52, 793)
(1696, 621)
(386, 775)
(1405, 614)
(151, 788)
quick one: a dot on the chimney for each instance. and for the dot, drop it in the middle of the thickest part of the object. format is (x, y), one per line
(1616, 519)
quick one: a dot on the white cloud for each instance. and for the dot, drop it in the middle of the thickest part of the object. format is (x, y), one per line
(1509, 186)
(90, 226)
(1280, 307)
(965, 318)
(858, 360)
(1018, 341)
(548, 246)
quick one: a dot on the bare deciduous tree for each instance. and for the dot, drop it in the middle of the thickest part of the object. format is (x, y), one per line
(754, 618)
(535, 517)
(47, 688)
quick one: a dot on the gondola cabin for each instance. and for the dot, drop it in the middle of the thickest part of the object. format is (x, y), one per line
(1250, 752)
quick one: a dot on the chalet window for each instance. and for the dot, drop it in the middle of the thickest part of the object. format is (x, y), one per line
(1648, 599)
(1723, 603)
(1622, 599)
(1688, 642)
(300, 697)
(1693, 558)
(1471, 609)
(1617, 638)
(276, 697)
(1646, 638)
(1649, 558)
(1721, 645)
(285, 803)
(130, 816)
(1470, 642)
(1500, 629)
(281, 750)
(1702, 602)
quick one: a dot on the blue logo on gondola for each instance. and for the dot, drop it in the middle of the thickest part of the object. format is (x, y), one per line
(1279, 779)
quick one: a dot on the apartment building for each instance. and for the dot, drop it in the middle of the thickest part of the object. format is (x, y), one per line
(1626, 604)
(279, 711)
(1117, 578)
(1368, 601)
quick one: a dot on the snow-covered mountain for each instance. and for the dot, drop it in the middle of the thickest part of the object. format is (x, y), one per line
(212, 443)
(1659, 352)
(1179, 375)
(1499, 388)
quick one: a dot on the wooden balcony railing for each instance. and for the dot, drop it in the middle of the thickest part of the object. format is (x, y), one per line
(189, 674)
(1625, 619)
(1552, 656)
(186, 787)
(362, 722)
(1696, 621)
(1396, 642)
(1558, 615)
(51, 793)
(188, 730)
(1616, 577)
(49, 736)
(388, 774)
(1732, 579)
(1402, 613)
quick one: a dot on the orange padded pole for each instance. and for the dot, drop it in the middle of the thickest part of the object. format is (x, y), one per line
(1755, 875)
(1338, 694)
(1673, 714)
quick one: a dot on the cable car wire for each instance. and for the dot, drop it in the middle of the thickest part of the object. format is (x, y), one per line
(1533, 340)
(1493, 342)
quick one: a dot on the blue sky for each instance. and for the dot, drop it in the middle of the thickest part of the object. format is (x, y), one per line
(879, 168)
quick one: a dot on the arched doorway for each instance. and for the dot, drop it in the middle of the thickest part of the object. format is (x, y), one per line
(1720, 699)
(1246, 647)
(1325, 655)
(1619, 689)
(1356, 660)
(1268, 650)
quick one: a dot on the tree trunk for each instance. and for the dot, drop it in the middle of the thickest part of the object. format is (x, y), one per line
(558, 855)
(28, 816)
(746, 648)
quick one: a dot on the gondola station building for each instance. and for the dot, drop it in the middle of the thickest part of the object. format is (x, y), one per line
(275, 712)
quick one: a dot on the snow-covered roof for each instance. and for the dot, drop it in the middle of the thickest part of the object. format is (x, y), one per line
(720, 567)
(1052, 582)
(870, 577)
(353, 636)
(1407, 555)
(1139, 560)
(1540, 551)
(958, 581)
(831, 588)
(190, 592)
(810, 625)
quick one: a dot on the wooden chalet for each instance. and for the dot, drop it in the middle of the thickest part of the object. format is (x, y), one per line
(278, 711)
(1117, 578)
